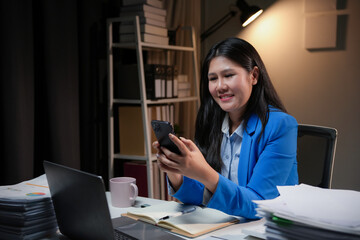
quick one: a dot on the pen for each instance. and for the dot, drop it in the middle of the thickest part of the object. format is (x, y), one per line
(185, 211)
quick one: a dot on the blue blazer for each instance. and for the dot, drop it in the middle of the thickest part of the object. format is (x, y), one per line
(263, 165)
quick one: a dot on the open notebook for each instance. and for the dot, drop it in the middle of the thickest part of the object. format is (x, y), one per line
(192, 224)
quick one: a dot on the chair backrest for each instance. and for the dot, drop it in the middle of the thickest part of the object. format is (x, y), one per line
(315, 154)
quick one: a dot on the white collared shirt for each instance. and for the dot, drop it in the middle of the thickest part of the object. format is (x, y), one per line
(230, 153)
(230, 150)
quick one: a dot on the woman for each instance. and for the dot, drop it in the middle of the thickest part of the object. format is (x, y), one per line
(245, 142)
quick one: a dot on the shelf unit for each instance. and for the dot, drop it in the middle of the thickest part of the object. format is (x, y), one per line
(141, 46)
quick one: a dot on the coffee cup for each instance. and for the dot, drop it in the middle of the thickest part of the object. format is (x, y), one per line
(123, 191)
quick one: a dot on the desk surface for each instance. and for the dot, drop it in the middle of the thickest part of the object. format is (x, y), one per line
(232, 232)
(229, 233)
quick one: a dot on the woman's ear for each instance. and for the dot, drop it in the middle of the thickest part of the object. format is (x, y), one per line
(254, 75)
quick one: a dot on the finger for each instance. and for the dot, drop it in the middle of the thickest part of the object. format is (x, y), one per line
(171, 155)
(166, 168)
(182, 147)
(168, 162)
(189, 144)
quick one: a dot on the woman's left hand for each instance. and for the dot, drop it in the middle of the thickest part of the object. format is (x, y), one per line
(190, 163)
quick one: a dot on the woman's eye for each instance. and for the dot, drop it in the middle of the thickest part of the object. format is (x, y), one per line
(229, 75)
(212, 78)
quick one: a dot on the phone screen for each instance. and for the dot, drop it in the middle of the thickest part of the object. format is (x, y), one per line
(162, 130)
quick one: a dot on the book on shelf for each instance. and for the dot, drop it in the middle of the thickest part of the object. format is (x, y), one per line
(183, 86)
(145, 15)
(138, 171)
(144, 28)
(165, 112)
(144, 8)
(131, 133)
(163, 83)
(158, 113)
(156, 180)
(186, 220)
(184, 89)
(152, 115)
(145, 37)
(146, 20)
(175, 82)
(169, 81)
(155, 81)
(158, 84)
(155, 3)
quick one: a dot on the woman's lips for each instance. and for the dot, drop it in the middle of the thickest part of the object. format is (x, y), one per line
(225, 97)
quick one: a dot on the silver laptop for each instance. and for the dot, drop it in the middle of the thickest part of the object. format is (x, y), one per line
(82, 211)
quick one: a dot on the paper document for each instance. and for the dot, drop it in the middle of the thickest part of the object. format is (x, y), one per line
(26, 210)
(27, 190)
(336, 210)
(339, 207)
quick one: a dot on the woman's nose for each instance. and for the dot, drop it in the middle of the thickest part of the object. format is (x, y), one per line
(221, 83)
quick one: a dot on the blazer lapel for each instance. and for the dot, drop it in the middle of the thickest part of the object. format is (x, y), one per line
(245, 153)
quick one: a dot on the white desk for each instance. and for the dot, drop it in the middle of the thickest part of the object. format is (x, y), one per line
(229, 233)
(233, 232)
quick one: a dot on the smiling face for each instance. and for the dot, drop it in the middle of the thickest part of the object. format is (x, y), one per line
(231, 85)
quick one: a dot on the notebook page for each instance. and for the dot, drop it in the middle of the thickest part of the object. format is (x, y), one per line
(202, 219)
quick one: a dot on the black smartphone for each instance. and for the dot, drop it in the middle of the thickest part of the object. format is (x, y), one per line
(162, 130)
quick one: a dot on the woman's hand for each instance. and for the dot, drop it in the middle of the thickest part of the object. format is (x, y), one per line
(190, 163)
(174, 178)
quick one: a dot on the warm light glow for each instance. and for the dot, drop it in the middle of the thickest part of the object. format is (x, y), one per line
(252, 18)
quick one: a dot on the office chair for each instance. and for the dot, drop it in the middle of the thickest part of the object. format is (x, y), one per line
(315, 154)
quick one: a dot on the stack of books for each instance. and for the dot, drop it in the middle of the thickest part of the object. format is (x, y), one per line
(152, 18)
(26, 210)
(184, 86)
(306, 212)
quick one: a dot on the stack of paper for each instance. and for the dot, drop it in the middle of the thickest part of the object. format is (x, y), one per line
(26, 210)
(306, 212)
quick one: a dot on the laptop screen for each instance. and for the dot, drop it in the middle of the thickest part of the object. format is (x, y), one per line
(80, 203)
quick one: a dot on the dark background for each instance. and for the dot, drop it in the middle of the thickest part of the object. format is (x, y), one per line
(53, 86)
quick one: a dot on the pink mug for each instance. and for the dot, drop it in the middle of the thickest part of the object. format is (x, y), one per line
(123, 191)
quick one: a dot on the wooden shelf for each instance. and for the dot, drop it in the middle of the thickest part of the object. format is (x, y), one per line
(140, 47)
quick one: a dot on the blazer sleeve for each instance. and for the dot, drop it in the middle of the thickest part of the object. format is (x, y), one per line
(190, 192)
(272, 162)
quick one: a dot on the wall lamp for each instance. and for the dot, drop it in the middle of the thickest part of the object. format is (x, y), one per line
(248, 14)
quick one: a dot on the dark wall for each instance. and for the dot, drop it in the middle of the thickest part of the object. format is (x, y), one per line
(53, 86)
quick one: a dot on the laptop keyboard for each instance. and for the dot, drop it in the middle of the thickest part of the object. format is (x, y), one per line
(123, 236)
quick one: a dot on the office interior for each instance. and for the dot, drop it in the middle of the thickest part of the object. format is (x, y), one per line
(53, 78)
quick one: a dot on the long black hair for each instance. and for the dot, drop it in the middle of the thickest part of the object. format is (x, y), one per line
(208, 135)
